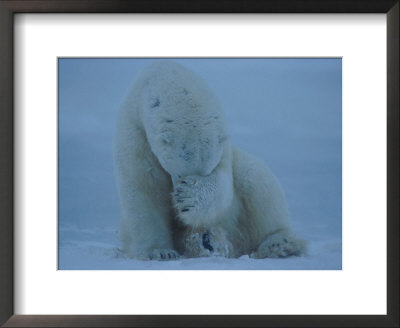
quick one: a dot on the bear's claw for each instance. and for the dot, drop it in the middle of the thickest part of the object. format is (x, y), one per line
(184, 200)
(163, 255)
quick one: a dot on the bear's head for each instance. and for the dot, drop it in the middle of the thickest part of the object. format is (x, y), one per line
(184, 124)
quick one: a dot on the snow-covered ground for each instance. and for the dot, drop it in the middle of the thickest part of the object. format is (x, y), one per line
(99, 249)
(285, 111)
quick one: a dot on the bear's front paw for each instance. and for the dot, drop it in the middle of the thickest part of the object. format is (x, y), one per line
(185, 195)
(163, 255)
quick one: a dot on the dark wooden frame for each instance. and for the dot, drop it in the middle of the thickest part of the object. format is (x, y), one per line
(7, 10)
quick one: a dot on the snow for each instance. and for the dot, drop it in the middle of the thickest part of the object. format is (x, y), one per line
(285, 111)
(88, 250)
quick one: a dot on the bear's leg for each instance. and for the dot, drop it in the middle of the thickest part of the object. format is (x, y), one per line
(145, 233)
(264, 211)
(280, 244)
(144, 189)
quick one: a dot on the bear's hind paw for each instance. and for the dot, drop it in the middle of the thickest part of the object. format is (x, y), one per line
(280, 245)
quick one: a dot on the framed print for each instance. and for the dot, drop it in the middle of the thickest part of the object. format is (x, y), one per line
(313, 96)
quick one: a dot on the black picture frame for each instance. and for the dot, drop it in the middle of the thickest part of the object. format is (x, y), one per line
(10, 7)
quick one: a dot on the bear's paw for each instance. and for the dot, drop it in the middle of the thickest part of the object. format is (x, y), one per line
(280, 244)
(163, 255)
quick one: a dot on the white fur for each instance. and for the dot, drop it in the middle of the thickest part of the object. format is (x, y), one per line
(184, 188)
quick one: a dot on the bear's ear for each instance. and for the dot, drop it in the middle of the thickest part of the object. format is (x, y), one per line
(222, 138)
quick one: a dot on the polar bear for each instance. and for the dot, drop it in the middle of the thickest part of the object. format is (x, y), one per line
(184, 189)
